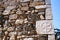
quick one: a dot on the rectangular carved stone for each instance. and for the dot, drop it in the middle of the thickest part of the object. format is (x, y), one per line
(44, 27)
(48, 14)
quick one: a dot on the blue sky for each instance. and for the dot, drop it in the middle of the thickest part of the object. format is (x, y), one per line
(56, 13)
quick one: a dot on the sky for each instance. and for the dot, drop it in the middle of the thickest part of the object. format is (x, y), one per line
(56, 13)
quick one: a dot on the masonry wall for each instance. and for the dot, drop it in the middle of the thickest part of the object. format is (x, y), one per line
(26, 20)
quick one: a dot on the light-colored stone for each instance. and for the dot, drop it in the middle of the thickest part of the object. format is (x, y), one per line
(19, 21)
(48, 1)
(51, 37)
(39, 0)
(0, 29)
(42, 17)
(18, 12)
(40, 6)
(40, 12)
(24, 4)
(48, 6)
(25, 20)
(48, 14)
(25, 8)
(12, 38)
(10, 29)
(44, 27)
(8, 9)
(36, 4)
(12, 33)
(13, 16)
(24, 0)
(28, 39)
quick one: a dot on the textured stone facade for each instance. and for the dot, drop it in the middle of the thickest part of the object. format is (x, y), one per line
(26, 20)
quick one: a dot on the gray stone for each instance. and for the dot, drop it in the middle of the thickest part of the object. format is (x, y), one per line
(48, 14)
(48, 1)
(8, 9)
(13, 16)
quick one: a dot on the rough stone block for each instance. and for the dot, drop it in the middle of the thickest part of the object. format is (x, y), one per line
(28, 39)
(38, 0)
(40, 6)
(48, 13)
(24, 0)
(48, 1)
(24, 8)
(13, 16)
(51, 37)
(8, 9)
(36, 4)
(19, 21)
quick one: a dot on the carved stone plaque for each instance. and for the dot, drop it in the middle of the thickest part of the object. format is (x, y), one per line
(44, 27)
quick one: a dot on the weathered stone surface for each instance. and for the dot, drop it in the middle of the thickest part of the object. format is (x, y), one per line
(40, 6)
(48, 1)
(48, 6)
(24, 0)
(6, 32)
(28, 39)
(24, 19)
(36, 4)
(51, 37)
(12, 33)
(44, 27)
(42, 17)
(0, 29)
(8, 9)
(12, 38)
(13, 16)
(19, 21)
(24, 8)
(19, 12)
(10, 29)
(40, 12)
(48, 14)
(24, 4)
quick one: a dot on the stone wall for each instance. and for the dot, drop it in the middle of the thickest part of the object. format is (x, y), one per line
(25, 18)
